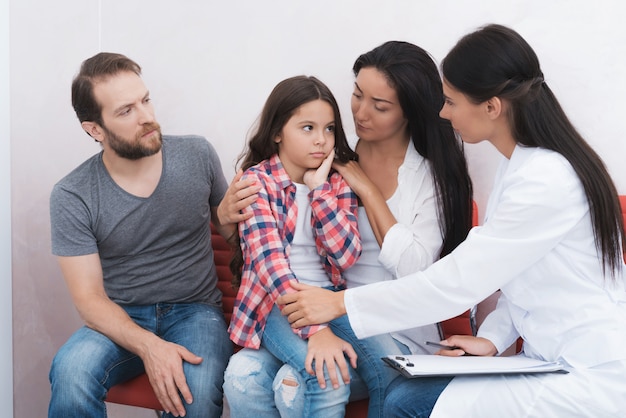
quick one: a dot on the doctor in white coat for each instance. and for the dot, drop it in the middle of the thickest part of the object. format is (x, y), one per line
(551, 241)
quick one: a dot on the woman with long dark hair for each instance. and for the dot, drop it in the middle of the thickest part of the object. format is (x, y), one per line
(551, 241)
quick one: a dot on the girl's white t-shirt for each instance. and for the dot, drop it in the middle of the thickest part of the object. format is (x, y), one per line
(303, 258)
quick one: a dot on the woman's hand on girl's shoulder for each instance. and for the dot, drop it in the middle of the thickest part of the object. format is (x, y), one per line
(354, 175)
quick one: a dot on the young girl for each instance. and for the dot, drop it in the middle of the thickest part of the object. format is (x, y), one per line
(551, 241)
(415, 206)
(303, 226)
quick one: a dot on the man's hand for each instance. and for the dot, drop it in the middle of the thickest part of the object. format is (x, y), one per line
(325, 348)
(163, 362)
(311, 305)
(239, 195)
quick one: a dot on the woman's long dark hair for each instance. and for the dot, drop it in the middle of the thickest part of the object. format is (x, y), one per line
(496, 61)
(411, 71)
(282, 103)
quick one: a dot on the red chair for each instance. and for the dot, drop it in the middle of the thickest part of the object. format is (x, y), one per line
(135, 392)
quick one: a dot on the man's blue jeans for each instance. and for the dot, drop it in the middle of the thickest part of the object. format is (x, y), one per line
(89, 363)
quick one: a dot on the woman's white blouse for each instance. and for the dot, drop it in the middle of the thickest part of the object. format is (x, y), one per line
(415, 241)
(410, 245)
(537, 246)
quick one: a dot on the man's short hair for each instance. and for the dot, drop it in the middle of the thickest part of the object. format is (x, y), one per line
(97, 68)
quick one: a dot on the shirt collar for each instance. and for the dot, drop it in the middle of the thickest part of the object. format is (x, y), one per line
(278, 172)
(412, 158)
(519, 156)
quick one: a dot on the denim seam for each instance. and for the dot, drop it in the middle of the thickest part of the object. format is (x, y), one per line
(108, 370)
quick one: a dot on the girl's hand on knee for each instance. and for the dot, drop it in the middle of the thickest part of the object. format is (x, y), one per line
(326, 349)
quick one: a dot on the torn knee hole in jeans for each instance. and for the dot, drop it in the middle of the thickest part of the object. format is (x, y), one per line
(239, 374)
(286, 387)
(290, 382)
(287, 390)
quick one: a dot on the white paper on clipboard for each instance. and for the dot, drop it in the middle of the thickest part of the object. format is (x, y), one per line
(422, 365)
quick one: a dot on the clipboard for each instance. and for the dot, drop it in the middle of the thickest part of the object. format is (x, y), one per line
(424, 365)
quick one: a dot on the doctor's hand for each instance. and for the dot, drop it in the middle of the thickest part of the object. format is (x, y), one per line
(239, 195)
(325, 348)
(311, 305)
(468, 344)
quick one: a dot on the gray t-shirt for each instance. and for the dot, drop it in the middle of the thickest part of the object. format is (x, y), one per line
(155, 249)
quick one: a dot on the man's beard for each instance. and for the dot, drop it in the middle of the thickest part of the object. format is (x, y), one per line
(138, 147)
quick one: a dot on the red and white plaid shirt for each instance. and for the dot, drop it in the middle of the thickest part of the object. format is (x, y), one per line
(266, 240)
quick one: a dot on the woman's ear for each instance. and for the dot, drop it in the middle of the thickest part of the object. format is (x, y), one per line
(494, 107)
(93, 130)
(277, 139)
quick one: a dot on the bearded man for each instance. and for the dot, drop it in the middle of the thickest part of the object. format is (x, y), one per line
(131, 230)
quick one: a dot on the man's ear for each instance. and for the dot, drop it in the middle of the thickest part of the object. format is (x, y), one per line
(93, 130)
(495, 107)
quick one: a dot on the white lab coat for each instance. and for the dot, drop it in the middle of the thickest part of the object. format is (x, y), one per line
(537, 246)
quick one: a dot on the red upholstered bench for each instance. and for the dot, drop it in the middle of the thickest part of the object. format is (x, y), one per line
(138, 391)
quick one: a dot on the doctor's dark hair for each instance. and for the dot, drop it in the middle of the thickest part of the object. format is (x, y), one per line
(495, 61)
(285, 100)
(94, 69)
(413, 74)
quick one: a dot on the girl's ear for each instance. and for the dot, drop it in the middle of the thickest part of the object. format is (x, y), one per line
(277, 139)
(494, 107)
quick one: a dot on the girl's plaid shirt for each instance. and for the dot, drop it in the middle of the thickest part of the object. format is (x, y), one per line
(266, 239)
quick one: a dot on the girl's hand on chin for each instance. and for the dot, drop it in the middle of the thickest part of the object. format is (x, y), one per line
(315, 178)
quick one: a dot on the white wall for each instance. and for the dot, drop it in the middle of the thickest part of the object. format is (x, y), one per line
(6, 355)
(210, 66)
